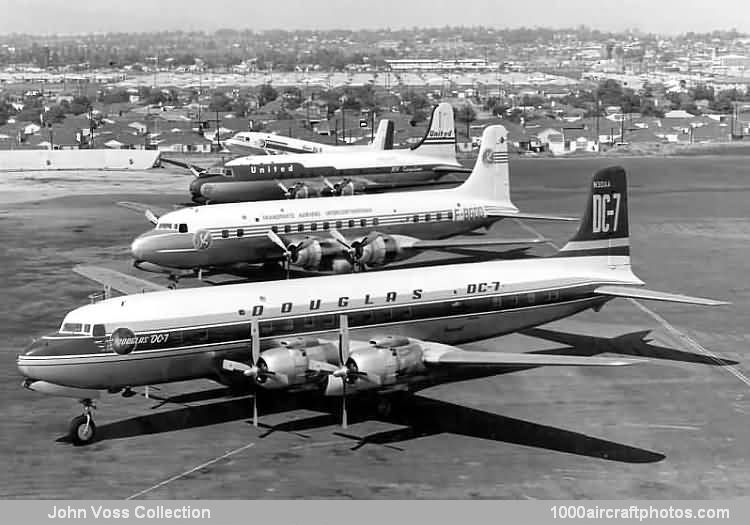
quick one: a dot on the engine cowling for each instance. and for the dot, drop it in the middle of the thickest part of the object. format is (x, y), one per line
(320, 254)
(378, 249)
(282, 367)
(378, 366)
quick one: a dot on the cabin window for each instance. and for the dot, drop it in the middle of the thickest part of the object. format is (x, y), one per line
(363, 222)
(351, 223)
(449, 215)
(427, 218)
(183, 228)
(225, 234)
(338, 225)
(415, 218)
(228, 173)
(326, 225)
(275, 229)
(438, 216)
(99, 330)
(240, 232)
(300, 227)
(375, 221)
(313, 226)
(287, 228)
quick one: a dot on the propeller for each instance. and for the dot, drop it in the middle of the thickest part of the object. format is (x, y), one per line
(285, 189)
(353, 250)
(343, 371)
(194, 171)
(253, 371)
(151, 217)
(287, 253)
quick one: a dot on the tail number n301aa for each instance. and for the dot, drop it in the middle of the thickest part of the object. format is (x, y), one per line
(605, 212)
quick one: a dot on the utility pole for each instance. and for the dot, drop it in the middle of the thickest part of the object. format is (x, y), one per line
(372, 125)
(343, 125)
(218, 123)
(598, 111)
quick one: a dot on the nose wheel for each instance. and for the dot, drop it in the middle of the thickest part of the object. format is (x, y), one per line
(82, 428)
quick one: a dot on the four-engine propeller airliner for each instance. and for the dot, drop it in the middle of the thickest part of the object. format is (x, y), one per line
(376, 332)
(268, 177)
(336, 235)
(258, 143)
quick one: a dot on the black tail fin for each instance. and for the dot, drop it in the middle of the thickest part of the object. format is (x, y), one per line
(604, 227)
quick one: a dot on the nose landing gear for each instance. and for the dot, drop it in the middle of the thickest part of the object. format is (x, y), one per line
(82, 428)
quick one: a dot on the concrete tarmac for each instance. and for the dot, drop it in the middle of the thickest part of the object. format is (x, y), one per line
(675, 427)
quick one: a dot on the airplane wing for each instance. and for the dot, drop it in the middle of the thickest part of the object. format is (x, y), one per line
(191, 167)
(439, 354)
(447, 244)
(451, 169)
(653, 295)
(121, 282)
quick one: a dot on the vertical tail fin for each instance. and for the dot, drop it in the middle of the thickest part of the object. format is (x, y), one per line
(440, 138)
(604, 228)
(490, 178)
(384, 136)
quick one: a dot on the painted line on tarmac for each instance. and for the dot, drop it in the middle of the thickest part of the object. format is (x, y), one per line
(692, 343)
(188, 472)
(689, 341)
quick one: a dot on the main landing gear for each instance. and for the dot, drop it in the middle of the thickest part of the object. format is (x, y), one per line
(82, 428)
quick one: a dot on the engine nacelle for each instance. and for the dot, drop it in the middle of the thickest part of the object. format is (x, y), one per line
(321, 254)
(299, 191)
(378, 249)
(282, 367)
(375, 367)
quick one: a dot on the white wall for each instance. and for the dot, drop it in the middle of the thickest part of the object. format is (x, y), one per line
(85, 159)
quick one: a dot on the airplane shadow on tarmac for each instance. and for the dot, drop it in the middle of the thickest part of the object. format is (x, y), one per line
(417, 416)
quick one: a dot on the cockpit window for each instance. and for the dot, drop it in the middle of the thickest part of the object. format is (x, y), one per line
(183, 228)
(72, 328)
(99, 330)
(164, 226)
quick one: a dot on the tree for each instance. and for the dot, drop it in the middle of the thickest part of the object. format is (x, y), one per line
(466, 114)
(220, 102)
(267, 94)
(80, 105)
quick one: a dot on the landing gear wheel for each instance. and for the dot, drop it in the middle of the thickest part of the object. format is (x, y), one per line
(82, 430)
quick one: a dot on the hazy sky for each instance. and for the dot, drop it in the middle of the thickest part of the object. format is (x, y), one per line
(85, 16)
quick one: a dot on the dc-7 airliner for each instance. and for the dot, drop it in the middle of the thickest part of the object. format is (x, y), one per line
(377, 332)
(335, 235)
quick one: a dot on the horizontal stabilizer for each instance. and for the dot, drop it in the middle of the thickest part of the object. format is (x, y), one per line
(123, 283)
(147, 209)
(444, 244)
(191, 167)
(653, 295)
(461, 357)
(538, 217)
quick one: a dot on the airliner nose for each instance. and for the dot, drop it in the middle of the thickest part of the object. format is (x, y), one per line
(138, 248)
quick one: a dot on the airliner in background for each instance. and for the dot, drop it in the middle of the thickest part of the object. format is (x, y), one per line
(380, 333)
(346, 172)
(258, 143)
(340, 234)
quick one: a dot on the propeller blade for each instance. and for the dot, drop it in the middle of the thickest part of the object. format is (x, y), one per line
(277, 241)
(194, 171)
(340, 238)
(283, 187)
(255, 355)
(328, 183)
(343, 356)
(151, 217)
